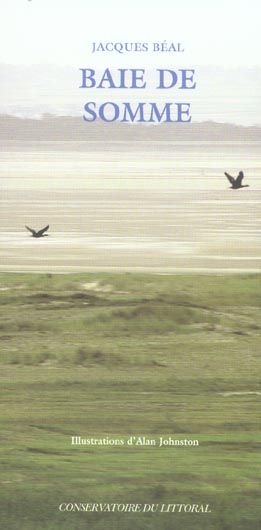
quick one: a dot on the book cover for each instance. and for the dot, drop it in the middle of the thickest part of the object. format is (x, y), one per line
(130, 264)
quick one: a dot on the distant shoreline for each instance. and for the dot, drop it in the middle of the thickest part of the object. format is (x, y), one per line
(161, 271)
(70, 128)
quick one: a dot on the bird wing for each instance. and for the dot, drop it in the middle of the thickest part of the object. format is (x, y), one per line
(240, 178)
(40, 232)
(231, 179)
(31, 230)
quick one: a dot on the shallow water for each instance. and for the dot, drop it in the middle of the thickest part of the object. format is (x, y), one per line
(142, 206)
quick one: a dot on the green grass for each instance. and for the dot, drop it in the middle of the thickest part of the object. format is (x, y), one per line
(120, 355)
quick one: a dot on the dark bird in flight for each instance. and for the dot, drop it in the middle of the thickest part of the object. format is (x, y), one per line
(236, 183)
(40, 233)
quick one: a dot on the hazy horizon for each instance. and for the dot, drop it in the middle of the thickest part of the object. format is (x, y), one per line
(45, 44)
(222, 95)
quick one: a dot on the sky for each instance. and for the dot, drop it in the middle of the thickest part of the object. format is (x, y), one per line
(222, 32)
(43, 43)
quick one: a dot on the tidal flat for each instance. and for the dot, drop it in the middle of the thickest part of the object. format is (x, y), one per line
(130, 207)
(119, 355)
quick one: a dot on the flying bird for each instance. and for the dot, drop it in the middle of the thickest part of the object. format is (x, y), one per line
(236, 183)
(40, 233)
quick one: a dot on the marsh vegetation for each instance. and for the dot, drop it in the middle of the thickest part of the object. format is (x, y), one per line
(120, 355)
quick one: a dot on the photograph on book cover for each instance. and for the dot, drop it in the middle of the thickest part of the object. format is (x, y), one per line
(130, 229)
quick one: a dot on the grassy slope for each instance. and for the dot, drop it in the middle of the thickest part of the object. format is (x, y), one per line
(97, 354)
